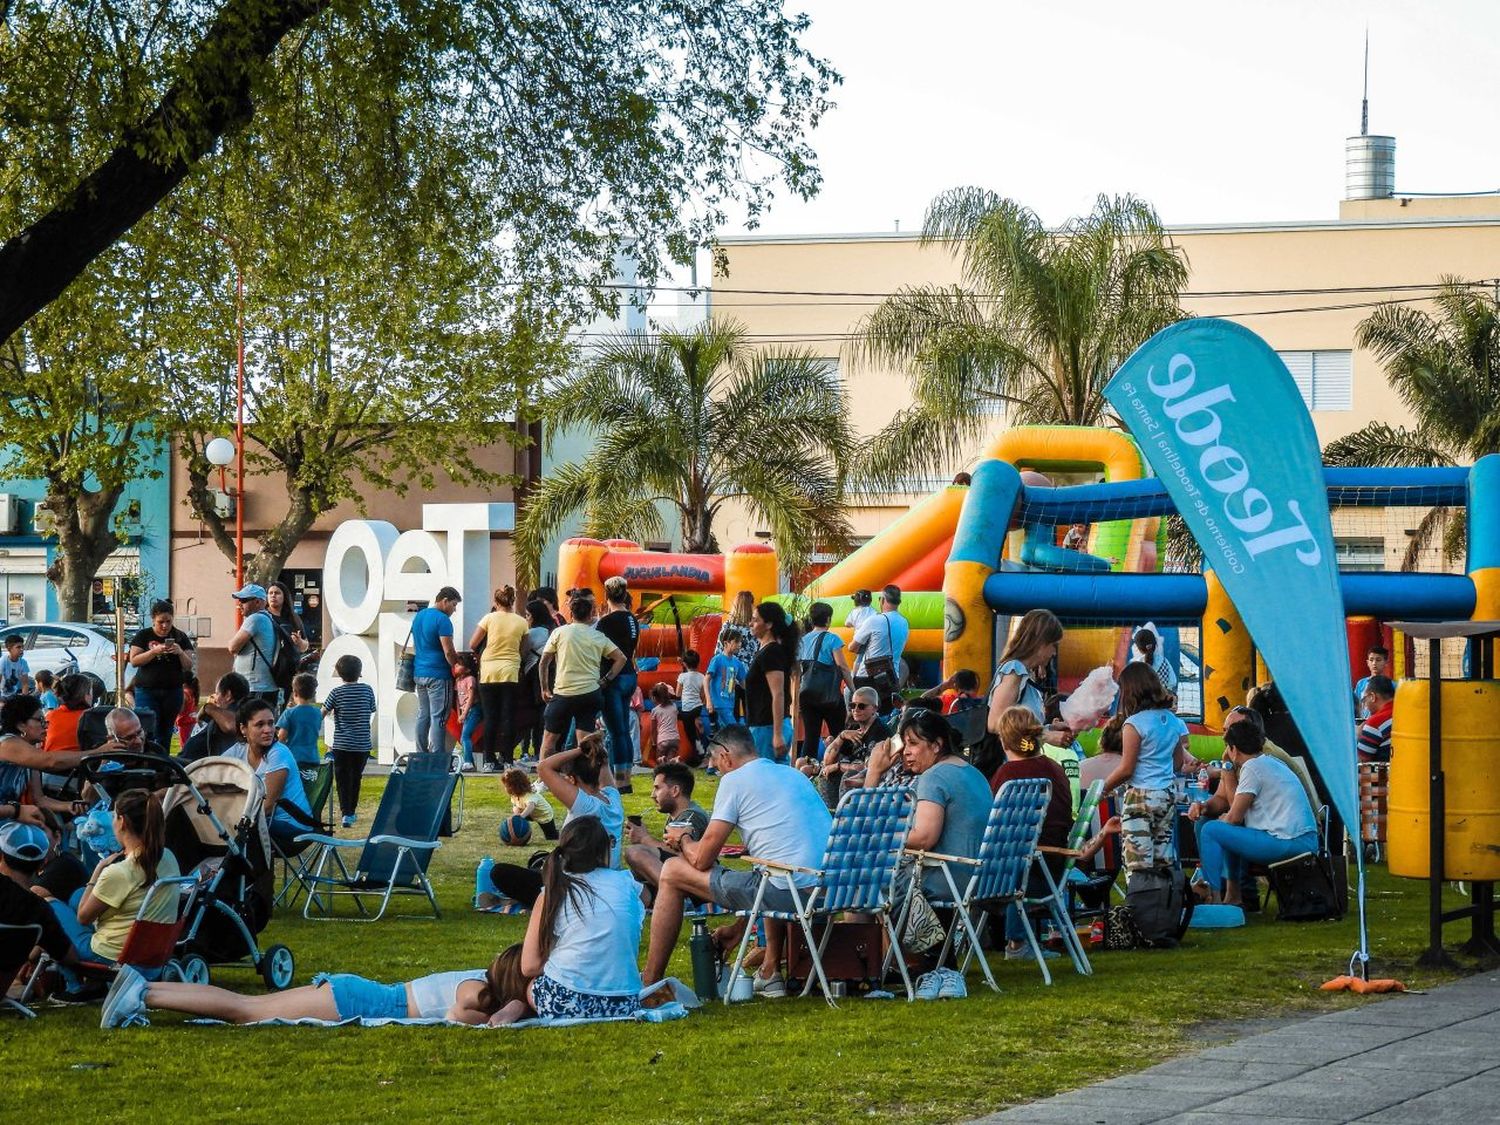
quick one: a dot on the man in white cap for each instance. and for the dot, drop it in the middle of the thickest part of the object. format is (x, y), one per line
(23, 850)
(254, 646)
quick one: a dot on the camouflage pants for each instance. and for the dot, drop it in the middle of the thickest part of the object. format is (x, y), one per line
(1146, 823)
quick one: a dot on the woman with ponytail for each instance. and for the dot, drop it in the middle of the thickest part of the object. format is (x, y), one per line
(98, 921)
(768, 687)
(585, 930)
(497, 639)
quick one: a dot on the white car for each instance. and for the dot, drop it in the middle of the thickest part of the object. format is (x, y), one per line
(61, 647)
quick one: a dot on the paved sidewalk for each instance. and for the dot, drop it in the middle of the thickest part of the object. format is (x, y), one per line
(1427, 1059)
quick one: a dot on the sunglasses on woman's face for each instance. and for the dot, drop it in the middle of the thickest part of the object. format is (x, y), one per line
(860, 706)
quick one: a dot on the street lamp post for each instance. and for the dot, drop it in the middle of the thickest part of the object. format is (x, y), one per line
(239, 412)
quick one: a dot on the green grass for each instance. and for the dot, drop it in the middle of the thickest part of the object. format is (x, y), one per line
(766, 1061)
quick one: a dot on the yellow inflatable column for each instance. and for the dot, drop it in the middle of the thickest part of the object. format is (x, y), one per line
(753, 567)
(1471, 768)
(1228, 655)
(578, 567)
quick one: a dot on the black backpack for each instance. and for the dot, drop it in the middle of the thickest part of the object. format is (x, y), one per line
(1161, 905)
(283, 662)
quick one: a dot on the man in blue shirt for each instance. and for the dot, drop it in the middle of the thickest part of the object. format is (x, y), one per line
(254, 646)
(432, 645)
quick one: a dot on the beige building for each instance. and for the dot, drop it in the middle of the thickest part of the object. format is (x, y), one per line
(1303, 286)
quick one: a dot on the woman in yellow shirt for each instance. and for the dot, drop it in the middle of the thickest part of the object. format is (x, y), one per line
(497, 639)
(101, 919)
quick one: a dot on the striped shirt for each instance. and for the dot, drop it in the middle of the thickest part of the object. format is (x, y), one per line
(351, 706)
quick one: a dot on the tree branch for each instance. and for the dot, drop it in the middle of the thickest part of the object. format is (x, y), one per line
(209, 99)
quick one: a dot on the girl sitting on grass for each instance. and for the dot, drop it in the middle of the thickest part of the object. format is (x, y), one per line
(585, 930)
(523, 802)
(496, 995)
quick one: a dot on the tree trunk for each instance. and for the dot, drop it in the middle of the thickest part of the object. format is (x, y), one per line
(211, 97)
(698, 532)
(275, 545)
(85, 538)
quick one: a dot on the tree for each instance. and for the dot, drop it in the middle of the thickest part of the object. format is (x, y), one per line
(600, 123)
(1042, 320)
(384, 342)
(695, 420)
(1445, 366)
(79, 411)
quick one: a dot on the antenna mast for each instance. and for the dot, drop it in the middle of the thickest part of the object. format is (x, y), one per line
(1364, 105)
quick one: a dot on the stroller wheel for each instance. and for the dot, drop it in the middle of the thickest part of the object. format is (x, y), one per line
(193, 969)
(277, 967)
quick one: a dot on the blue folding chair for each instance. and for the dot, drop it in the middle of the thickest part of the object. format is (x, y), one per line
(997, 877)
(393, 859)
(858, 875)
(1057, 900)
(435, 762)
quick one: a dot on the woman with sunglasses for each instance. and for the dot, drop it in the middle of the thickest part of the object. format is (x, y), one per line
(846, 755)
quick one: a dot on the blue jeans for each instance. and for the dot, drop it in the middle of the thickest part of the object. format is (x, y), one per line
(434, 698)
(1226, 849)
(164, 704)
(617, 695)
(765, 742)
(77, 933)
(466, 735)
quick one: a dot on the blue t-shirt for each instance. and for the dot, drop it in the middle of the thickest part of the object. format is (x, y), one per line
(302, 724)
(50, 702)
(1161, 731)
(965, 796)
(277, 759)
(428, 628)
(611, 814)
(724, 672)
(1031, 695)
(824, 644)
(254, 660)
(13, 675)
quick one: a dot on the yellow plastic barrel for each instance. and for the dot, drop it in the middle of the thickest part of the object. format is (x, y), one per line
(1471, 768)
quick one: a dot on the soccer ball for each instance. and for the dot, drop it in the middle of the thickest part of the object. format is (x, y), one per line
(515, 830)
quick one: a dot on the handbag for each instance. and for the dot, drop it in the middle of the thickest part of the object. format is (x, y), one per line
(923, 929)
(820, 682)
(406, 665)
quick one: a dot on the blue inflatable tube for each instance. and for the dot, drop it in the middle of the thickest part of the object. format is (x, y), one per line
(1138, 499)
(1121, 599)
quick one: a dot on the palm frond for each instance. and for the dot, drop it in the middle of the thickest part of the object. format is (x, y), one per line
(1381, 445)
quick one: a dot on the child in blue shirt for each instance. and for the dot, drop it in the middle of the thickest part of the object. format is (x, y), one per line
(300, 724)
(725, 671)
(1153, 745)
(44, 682)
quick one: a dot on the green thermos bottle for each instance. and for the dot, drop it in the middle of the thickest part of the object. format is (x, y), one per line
(705, 965)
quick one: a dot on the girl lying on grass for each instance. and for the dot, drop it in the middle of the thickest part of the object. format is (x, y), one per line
(496, 995)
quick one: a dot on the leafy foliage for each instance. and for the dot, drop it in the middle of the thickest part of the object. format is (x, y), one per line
(695, 420)
(584, 126)
(1445, 366)
(1041, 322)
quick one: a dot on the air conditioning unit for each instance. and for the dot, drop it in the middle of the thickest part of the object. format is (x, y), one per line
(223, 504)
(10, 513)
(42, 520)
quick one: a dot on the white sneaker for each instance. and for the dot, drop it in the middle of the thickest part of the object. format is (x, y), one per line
(772, 987)
(125, 1003)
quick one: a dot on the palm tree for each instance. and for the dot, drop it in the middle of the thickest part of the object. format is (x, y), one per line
(695, 420)
(1446, 369)
(1042, 320)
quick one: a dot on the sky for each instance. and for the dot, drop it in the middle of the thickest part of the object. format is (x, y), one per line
(1212, 111)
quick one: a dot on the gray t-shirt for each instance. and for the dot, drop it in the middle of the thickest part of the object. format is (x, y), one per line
(965, 797)
(1280, 806)
(256, 666)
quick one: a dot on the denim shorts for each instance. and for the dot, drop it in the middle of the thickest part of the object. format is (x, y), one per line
(356, 997)
(736, 890)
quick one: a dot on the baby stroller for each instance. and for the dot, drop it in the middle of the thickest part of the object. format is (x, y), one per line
(216, 828)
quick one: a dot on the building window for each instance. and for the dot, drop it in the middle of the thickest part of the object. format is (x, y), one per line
(1360, 553)
(1325, 378)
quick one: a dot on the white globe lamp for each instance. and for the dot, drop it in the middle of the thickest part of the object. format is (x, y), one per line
(219, 452)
